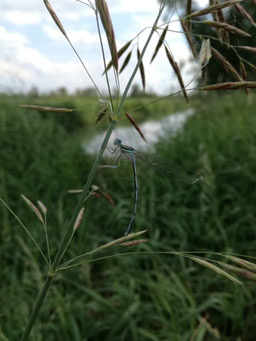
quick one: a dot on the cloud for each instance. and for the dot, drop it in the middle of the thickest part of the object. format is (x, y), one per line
(22, 18)
(40, 55)
(28, 12)
(133, 6)
(76, 36)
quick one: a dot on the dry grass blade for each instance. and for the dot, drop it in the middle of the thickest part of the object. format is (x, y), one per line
(102, 8)
(109, 199)
(74, 191)
(177, 72)
(243, 74)
(188, 12)
(101, 114)
(216, 18)
(160, 43)
(120, 240)
(97, 195)
(244, 263)
(55, 18)
(248, 48)
(226, 27)
(43, 108)
(126, 61)
(245, 14)
(133, 122)
(42, 206)
(123, 49)
(215, 269)
(202, 327)
(205, 53)
(225, 34)
(240, 272)
(142, 72)
(227, 66)
(79, 219)
(229, 86)
(134, 242)
(213, 8)
(253, 67)
(189, 38)
(119, 54)
(33, 207)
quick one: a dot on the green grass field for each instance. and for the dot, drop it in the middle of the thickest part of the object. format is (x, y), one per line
(144, 295)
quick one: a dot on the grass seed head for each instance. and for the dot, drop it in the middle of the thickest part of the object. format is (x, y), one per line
(55, 18)
(102, 8)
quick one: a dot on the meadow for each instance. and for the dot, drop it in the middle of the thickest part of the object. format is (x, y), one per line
(135, 293)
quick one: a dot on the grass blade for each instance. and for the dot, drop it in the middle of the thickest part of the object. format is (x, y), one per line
(177, 72)
(126, 61)
(229, 86)
(245, 14)
(244, 263)
(102, 8)
(42, 206)
(248, 48)
(109, 199)
(226, 27)
(142, 72)
(243, 74)
(25, 229)
(133, 122)
(134, 242)
(101, 114)
(188, 12)
(215, 269)
(55, 18)
(227, 66)
(119, 54)
(213, 8)
(160, 43)
(188, 38)
(33, 207)
(47, 109)
(239, 271)
(79, 218)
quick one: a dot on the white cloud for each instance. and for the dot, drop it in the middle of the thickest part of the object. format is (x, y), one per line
(131, 6)
(10, 38)
(23, 18)
(76, 36)
(41, 62)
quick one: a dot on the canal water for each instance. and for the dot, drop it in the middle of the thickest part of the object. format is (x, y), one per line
(153, 130)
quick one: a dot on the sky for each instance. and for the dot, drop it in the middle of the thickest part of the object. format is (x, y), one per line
(35, 53)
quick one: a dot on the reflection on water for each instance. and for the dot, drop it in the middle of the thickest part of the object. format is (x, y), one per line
(152, 131)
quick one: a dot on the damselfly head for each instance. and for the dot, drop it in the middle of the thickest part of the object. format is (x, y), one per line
(117, 142)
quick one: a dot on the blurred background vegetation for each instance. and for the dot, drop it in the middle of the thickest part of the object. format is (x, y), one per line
(136, 297)
(215, 72)
(133, 297)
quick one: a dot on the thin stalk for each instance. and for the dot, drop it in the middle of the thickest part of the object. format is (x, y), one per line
(83, 195)
(66, 239)
(139, 61)
(104, 61)
(85, 68)
(69, 230)
(38, 303)
(24, 227)
(47, 239)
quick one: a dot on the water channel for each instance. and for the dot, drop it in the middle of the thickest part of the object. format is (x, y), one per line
(153, 130)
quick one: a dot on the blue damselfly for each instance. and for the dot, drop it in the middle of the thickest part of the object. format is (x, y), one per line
(129, 153)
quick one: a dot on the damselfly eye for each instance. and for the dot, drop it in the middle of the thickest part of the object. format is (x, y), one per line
(117, 141)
